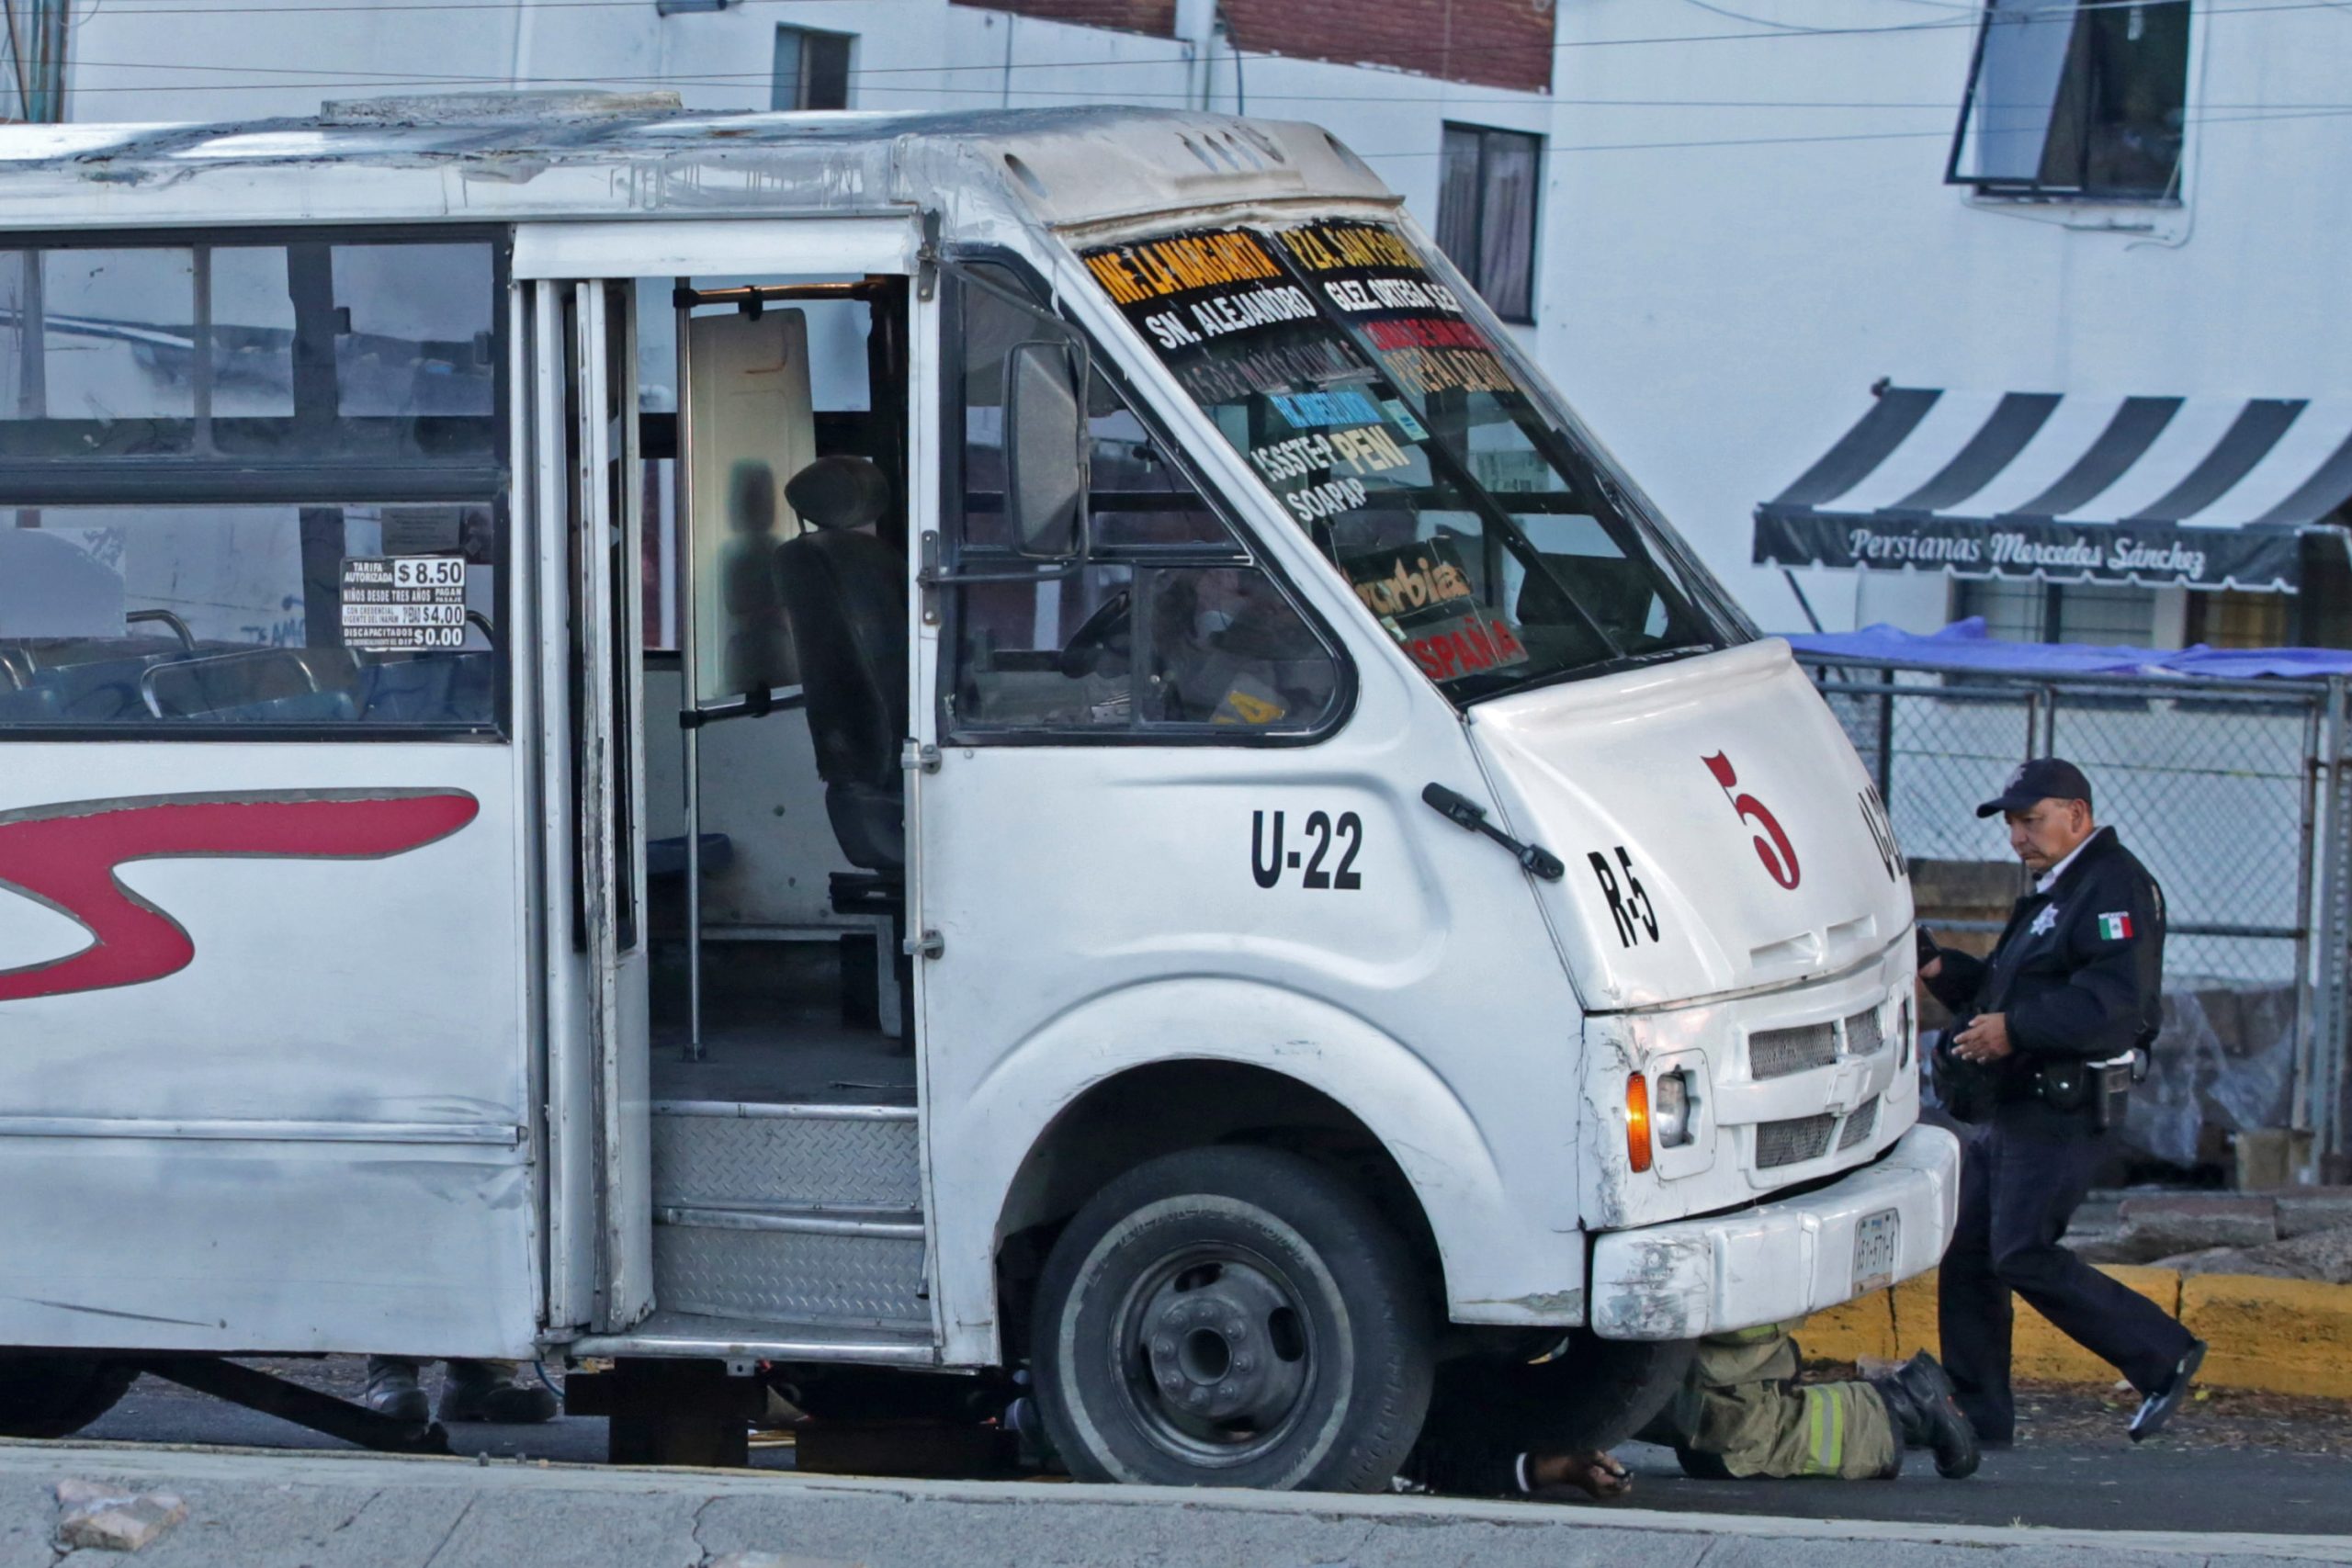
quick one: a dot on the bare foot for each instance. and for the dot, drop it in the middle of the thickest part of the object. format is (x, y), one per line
(1592, 1474)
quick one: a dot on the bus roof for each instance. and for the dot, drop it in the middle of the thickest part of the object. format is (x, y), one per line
(509, 157)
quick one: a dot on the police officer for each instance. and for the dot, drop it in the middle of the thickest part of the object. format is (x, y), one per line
(2073, 982)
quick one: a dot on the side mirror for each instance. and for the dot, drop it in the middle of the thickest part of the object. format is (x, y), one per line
(1045, 450)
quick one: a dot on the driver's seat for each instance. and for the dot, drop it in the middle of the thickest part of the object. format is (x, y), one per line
(846, 594)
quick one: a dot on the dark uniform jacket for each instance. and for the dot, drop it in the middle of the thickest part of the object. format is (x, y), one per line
(2079, 971)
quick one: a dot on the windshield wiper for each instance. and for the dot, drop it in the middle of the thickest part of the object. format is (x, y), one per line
(1471, 816)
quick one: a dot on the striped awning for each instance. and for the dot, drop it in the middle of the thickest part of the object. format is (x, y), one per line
(2212, 492)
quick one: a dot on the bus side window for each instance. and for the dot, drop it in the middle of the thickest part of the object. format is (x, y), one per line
(291, 503)
(1166, 625)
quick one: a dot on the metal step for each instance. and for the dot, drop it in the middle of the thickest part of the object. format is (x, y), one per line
(732, 1155)
(802, 1217)
(792, 1266)
(667, 1333)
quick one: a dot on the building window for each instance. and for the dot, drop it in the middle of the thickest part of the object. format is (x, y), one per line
(2084, 100)
(812, 70)
(2105, 615)
(2228, 618)
(1486, 213)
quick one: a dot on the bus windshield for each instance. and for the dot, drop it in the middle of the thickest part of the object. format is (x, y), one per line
(1379, 413)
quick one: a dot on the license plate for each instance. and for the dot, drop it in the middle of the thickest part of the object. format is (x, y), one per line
(1876, 1242)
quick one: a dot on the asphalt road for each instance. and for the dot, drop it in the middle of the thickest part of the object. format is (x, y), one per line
(2082, 1484)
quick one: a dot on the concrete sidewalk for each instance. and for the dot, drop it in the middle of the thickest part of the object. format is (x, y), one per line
(282, 1510)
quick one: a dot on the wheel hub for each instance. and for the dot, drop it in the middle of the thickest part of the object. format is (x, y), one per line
(1222, 1343)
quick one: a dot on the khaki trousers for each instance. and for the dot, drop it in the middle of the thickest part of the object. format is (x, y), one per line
(1740, 1403)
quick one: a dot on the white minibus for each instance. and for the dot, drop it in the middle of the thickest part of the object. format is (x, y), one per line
(926, 758)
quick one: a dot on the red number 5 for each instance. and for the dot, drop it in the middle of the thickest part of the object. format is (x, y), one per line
(1779, 857)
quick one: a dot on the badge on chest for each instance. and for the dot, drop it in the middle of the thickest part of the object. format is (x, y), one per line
(2044, 921)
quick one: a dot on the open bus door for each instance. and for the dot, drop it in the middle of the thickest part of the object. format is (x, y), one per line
(584, 432)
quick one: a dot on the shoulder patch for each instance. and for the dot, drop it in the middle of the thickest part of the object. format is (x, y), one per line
(2115, 928)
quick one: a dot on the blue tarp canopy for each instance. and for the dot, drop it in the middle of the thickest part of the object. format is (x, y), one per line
(1964, 646)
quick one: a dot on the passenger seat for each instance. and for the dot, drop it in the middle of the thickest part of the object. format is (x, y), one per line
(846, 594)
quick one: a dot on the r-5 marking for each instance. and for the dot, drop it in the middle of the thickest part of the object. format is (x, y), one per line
(1627, 904)
(1267, 862)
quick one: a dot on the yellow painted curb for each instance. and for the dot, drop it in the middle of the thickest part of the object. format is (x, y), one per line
(2282, 1335)
(2273, 1336)
(1861, 1328)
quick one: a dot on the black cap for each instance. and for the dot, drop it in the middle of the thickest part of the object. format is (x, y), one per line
(2044, 778)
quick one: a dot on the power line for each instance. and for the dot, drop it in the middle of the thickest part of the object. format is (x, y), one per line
(1936, 105)
(1450, 53)
(1942, 135)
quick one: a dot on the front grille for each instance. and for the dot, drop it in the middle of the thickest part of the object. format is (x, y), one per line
(1864, 1036)
(1794, 1142)
(1859, 1125)
(1777, 1052)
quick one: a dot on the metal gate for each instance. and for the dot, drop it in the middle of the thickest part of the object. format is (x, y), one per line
(2230, 791)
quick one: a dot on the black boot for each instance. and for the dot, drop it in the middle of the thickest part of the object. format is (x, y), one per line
(1920, 1399)
(392, 1391)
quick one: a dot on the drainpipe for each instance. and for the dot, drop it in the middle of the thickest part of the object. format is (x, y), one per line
(38, 41)
(1196, 30)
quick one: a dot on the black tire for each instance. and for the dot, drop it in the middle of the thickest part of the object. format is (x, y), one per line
(1593, 1393)
(1158, 1295)
(56, 1396)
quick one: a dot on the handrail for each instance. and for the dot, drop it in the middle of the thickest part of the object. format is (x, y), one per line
(244, 656)
(179, 628)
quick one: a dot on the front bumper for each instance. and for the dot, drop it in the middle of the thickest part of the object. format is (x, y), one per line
(1778, 1261)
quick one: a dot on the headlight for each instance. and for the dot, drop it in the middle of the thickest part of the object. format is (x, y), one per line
(1670, 1109)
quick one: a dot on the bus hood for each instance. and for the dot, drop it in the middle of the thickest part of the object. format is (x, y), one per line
(1719, 833)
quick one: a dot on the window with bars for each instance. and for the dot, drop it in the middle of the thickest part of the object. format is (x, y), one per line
(1486, 213)
(2109, 614)
(2081, 100)
(2227, 618)
(812, 70)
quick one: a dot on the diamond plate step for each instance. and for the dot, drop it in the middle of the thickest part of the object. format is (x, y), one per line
(800, 1266)
(722, 1154)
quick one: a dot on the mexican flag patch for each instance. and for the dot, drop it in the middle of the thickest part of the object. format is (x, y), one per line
(2115, 928)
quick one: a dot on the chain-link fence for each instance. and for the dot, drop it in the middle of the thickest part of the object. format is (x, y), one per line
(2223, 788)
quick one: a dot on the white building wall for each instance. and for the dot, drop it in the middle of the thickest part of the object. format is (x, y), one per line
(1744, 222)
(1719, 308)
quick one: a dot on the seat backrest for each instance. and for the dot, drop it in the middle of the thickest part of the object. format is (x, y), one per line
(846, 594)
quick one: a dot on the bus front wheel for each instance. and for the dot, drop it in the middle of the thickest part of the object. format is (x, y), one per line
(1232, 1316)
(55, 1396)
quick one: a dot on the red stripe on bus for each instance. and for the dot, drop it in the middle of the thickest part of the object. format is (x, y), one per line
(67, 857)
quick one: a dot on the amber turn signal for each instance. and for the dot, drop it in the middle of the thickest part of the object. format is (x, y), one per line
(1638, 1123)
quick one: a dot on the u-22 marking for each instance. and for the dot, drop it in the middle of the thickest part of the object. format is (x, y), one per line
(1628, 903)
(1267, 862)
